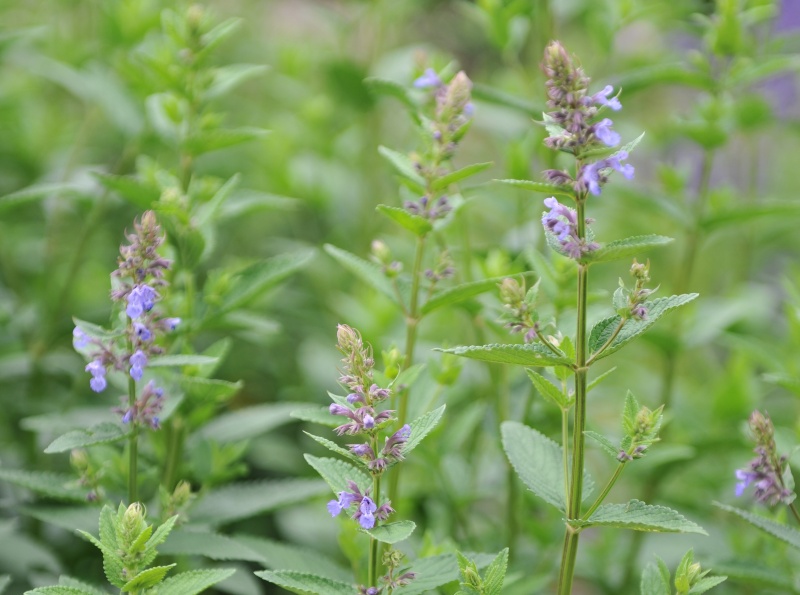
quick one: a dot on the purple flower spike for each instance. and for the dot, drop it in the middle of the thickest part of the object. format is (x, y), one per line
(141, 299)
(138, 361)
(428, 79)
(602, 130)
(367, 509)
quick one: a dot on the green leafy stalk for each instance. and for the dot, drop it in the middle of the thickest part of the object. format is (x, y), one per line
(133, 440)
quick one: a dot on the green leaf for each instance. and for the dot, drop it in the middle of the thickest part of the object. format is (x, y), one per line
(491, 94)
(496, 574)
(280, 555)
(638, 516)
(403, 166)
(532, 354)
(220, 138)
(103, 433)
(392, 533)
(600, 378)
(255, 279)
(747, 214)
(656, 579)
(306, 584)
(67, 581)
(5, 580)
(758, 574)
(337, 473)
(434, 571)
(368, 272)
(615, 151)
(332, 446)
(225, 78)
(181, 360)
(413, 223)
(185, 542)
(34, 193)
(783, 532)
(54, 485)
(607, 445)
(205, 390)
(706, 583)
(421, 427)
(459, 174)
(656, 308)
(459, 293)
(547, 389)
(538, 461)
(131, 188)
(59, 590)
(148, 578)
(208, 211)
(242, 500)
(392, 89)
(193, 582)
(246, 423)
(550, 189)
(317, 415)
(70, 518)
(632, 246)
(664, 74)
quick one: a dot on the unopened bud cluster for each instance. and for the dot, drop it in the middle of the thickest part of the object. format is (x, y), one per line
(519, 308)
(766, 471)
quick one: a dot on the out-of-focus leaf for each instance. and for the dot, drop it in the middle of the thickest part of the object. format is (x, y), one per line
(103, 433)
(205, 142)
(37, 192)
(492, 95)
(750, 213)
(619, 249)
(405, 168)
(459, 174)
(280, 555)
(227, 78)
(193, 581)
(306, 584)
(368, 272)
(541, 187)
(246, 423)
(392, 532)
(785, 533)
(662, 74)
(186, 542)
(54, 485)
(414, 223)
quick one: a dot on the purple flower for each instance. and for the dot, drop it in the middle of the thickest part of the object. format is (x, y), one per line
(594, 174)
(366, 513)
(764, 472)
(369, 421)
(602, 130)
(142, 332)
(337, 409)
(355, 398)
(601, 98)
(561, 220)
(379, 394)
(362, 450)
(639, 312)
(98, 372)
(141, 299)
(98, 384)
(138, 361)
(345, 500)
(79, 338)
(170, 324)
(428, 79)
(394, 443)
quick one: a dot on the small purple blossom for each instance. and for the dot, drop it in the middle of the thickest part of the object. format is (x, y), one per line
(562, 222)
(601, 98)
(345, 500)
(353, 398)
(366, 513)
(764, 472)
(98, 371)
(138, 361)
(369, 421)
(639, 312)
(336, 409)
(428, 79)
(141, 299)
(593, 175)
(79, 338)
(142, 332)
(170, 324)
(362, 450)
(602, 130)
(395, 442)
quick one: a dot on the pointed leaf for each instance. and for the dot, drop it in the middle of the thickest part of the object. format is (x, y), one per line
(54, 485)
(706, 583)
(193, 582)
(306, 584)
(66, 581)
(317, 415)
(403, 166)
(337, 473)
(392, 532)
(626, 248)
(392, 89)
(221, 138)
(459, 174)
(748, 214)
(531, 354)
(638, 516)
(538, 461)
(283, 556)
(421, 427)
(103, 433)
(181, 360)
(783, 532)
(148, 578)
(417, 225)
(599, 379)
(332, 446)
(242, 500)
(34, 193)
(607, 445)
(60, 590)
(547, 389)
(656, 308)
(131, 188)
(496, 574)
(208, 211)
(247, 423)
(368, 272)
(541, 187)
(185, 542)
(656, 580)
(459, 293)
(227, 78)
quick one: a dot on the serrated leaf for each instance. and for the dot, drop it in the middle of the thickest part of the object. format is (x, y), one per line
(368, 272)
(403, 166)
(539, 463)
(103, 433)
(67, 581)
(181, 360)
(656, 308)
(60, 590)
(531, 354)
(541, 187)
(604, 442)
(283, 556)
(459, 174)
(421, 427)
(193, 582)
(706, 583)
(785, 533)
(242, 500)
(185, 542)
(70, 518)
(547, 389)
(599, 379)
(417, 225)
(305, 583)
(654, 582)
(147, 578)
(225, 78)
(627, 247)
(496, 574)
(459, 293)
(112, 563)
(158, 537)
(255, 279)
(332, 446)
(638, 516)
(317, 415)
(434, 571)
(392, 533)
(337, 473)
(247, 423)
(54, 485)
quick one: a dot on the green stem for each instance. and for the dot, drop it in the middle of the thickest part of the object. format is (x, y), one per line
(565, 458)
(605, 345)
(793, 508)
(373, 543)
(570, 550)
(133, 462)
(605, 492)
(175, 440)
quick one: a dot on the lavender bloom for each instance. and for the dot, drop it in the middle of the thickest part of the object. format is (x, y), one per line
(126, 419)
(98, 372)
(594, 174)
(79, 338)
(170, 324)
(639, 312)
(362, 450)
(353, 398)
(366, 513)
(602, 130)
(765, 474)
(601, 98)
(379, 394)
(394, 444)
(138, 362)
(142, 332)
(369, 421)
(345, 500)
(562, 222)
(141, 299)
(428, 79)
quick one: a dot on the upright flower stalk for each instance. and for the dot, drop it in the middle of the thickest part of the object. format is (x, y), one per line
(129, 347)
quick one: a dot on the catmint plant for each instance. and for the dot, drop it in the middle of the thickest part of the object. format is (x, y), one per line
(376, 443)
(134, 341)
(579, 126)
